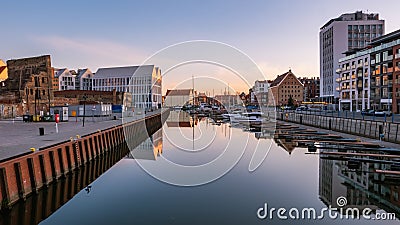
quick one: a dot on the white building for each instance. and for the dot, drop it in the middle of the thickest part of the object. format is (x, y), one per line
(144, 82)
(354, 81)
(261, 86)
(84, 79)
(66, 79)
(260, 92)
(346, 32)
(178, 97)
(72, 80)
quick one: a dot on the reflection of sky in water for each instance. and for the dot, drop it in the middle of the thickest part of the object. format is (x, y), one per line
(128, 195)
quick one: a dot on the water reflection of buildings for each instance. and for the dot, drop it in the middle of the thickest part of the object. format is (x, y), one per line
(288, 145)
(362, 188)
(37, 207)
(265, 133)
(181, 119)
(150, 149)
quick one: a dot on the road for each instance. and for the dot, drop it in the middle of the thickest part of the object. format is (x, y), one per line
(347, 114)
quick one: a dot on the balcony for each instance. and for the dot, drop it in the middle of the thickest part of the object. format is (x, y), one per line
(353, 76)
(390, 57)
(397, 56)
(338, 70)
(353, 66)
(338, 79)
(365, 85)
(366, 74)
(338, 89)
(359, 85)
(373, 62)
(387, 96)
(366, 64)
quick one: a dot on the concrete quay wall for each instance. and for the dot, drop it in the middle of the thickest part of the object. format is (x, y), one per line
(25, 175)
(386, 131)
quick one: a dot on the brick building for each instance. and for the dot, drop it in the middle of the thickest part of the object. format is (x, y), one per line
(28, 88)
(76, 97)
(311, 88)
(283, 88)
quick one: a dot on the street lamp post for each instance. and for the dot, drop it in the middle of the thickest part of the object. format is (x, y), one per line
(84, 110)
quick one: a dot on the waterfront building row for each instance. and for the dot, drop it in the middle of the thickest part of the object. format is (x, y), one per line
(369, 78)
(31, 84)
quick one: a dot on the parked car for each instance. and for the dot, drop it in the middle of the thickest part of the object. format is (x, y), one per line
(302, 108)
(287, 107)
(368, 112)
(383, 113)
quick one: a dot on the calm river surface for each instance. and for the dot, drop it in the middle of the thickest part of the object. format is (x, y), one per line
(288, 178)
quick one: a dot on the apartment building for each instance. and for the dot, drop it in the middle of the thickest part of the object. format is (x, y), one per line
(354, 81)
(369, 78)
(385, 59)
(350, 31)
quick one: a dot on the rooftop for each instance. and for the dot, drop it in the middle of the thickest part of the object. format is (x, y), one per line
(386, 38)
(126, 71)
(279, 78)
(179, 92)
(356, 16)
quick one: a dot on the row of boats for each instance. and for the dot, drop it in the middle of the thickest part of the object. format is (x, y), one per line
(252, 118)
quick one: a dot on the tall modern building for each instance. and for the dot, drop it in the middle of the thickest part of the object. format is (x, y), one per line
(347, 32)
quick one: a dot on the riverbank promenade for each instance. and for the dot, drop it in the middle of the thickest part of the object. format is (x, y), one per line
(18, 137)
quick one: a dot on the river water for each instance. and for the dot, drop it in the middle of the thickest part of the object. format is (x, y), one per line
(147, 187)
